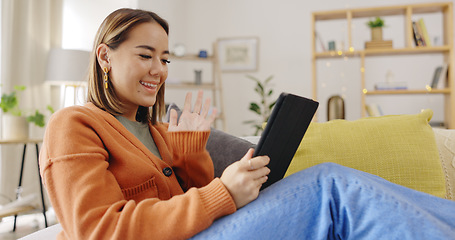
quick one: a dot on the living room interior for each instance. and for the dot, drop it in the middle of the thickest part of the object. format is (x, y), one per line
(284, 48)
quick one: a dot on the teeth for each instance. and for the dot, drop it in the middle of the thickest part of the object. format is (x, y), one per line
(148, 84)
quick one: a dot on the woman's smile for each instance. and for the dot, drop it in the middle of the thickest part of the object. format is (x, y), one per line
(148, 85)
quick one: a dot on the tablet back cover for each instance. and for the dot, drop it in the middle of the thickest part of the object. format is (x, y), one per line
(283, 133)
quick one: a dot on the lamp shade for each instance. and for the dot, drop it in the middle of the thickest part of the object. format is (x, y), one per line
(65, 66)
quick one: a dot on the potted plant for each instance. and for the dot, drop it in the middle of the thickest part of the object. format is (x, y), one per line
(15, 122)
(376, 26)
(264, 108)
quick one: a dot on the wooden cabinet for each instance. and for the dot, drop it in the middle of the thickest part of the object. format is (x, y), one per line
(408, 13)
(188, 83)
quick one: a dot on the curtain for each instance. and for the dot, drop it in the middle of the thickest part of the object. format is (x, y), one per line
(29, 29)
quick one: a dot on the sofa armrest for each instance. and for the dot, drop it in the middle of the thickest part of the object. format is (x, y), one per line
(445, 140)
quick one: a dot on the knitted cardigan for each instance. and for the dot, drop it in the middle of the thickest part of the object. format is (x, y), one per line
(105, 184)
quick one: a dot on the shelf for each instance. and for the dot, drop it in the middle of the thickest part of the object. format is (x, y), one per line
(193, 57)
(190, 86)
(386, 51)
(210, 84)
(409, 13)
(380, 11)
(390, 92)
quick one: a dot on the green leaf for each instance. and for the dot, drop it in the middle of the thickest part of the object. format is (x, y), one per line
(19, 87)
(378, 22)
(37, 119)
(8, 102)
(249, 122)
(268, 79)
(255, 108)
(272, 105)
(50, 108)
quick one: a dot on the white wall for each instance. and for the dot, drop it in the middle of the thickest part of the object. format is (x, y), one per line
(283, 28)
(285, 51)
(81, 19)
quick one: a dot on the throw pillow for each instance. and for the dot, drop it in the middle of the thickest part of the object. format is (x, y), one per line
(398, 148)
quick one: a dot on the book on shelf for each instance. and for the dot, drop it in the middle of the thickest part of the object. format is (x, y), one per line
(378, 44)
(373, 110)
(424, 32)
(391, 86)
(439, 77)
(418, 39)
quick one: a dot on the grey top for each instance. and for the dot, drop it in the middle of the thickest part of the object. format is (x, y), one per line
(142, 132)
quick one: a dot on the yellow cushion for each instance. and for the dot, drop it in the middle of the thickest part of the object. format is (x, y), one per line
(399, 148)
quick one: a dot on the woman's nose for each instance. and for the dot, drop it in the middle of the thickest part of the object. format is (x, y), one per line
(157, 67)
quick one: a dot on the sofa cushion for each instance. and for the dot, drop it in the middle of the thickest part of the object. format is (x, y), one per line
(398, 148)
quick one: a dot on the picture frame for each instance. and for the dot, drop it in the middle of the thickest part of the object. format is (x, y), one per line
(238, 54)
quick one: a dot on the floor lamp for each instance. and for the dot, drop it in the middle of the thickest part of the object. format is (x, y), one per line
(67, 68)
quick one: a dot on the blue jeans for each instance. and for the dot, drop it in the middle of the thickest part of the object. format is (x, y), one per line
(329, 201)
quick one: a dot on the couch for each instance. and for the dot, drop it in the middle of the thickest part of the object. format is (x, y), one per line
(403, 149)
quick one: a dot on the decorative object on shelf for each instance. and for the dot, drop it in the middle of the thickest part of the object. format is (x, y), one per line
(198, 77)
(439, 77)
(238, 54)
(203, 54)
(390, 83)
(335, 108)
(391, 86)
(376, 28)
(264, 108)
(373, 110)
(376, 35)
(179, 50)
(15, 122)
(332, 46)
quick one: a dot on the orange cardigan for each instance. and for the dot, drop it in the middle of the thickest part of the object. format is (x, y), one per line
(105, 184)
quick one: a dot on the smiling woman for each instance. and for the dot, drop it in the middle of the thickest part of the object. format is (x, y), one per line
(113, 170)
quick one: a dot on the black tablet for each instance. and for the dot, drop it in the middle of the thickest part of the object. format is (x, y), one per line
(283, 133)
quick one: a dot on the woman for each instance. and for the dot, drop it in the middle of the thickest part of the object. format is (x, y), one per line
(113, 171)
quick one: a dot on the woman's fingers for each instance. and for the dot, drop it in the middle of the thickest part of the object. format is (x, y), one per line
(187, 104)
(252, 164)
(198, 103)
(173, 116)
(206, 107)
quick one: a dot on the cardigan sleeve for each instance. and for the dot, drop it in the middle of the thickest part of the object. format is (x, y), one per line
(88, 199)
(191, 161)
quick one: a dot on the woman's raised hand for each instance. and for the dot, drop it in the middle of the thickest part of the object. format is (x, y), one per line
(243, 179)
(195, 120)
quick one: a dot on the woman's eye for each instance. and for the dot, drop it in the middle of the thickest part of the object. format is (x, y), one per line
(145, 56)
(165, 61)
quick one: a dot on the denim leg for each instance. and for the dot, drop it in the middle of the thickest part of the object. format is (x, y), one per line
(329, 201)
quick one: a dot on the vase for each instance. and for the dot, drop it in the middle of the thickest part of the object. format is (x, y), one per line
(376, 34)
(335, 108)
(14, 127)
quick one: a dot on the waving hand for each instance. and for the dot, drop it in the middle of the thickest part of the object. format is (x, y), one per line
(196, 120)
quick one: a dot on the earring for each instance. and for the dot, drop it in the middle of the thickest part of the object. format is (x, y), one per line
(106, 77)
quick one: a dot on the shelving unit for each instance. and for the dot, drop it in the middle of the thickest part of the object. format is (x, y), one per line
(407, 11)
(214, 85)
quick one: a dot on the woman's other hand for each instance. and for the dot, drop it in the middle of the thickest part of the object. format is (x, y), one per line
(196, 120)
(243, 179)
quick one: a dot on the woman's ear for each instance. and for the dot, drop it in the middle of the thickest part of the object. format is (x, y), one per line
(102, 55)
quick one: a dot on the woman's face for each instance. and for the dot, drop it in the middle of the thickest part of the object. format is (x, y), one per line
(138, 67)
